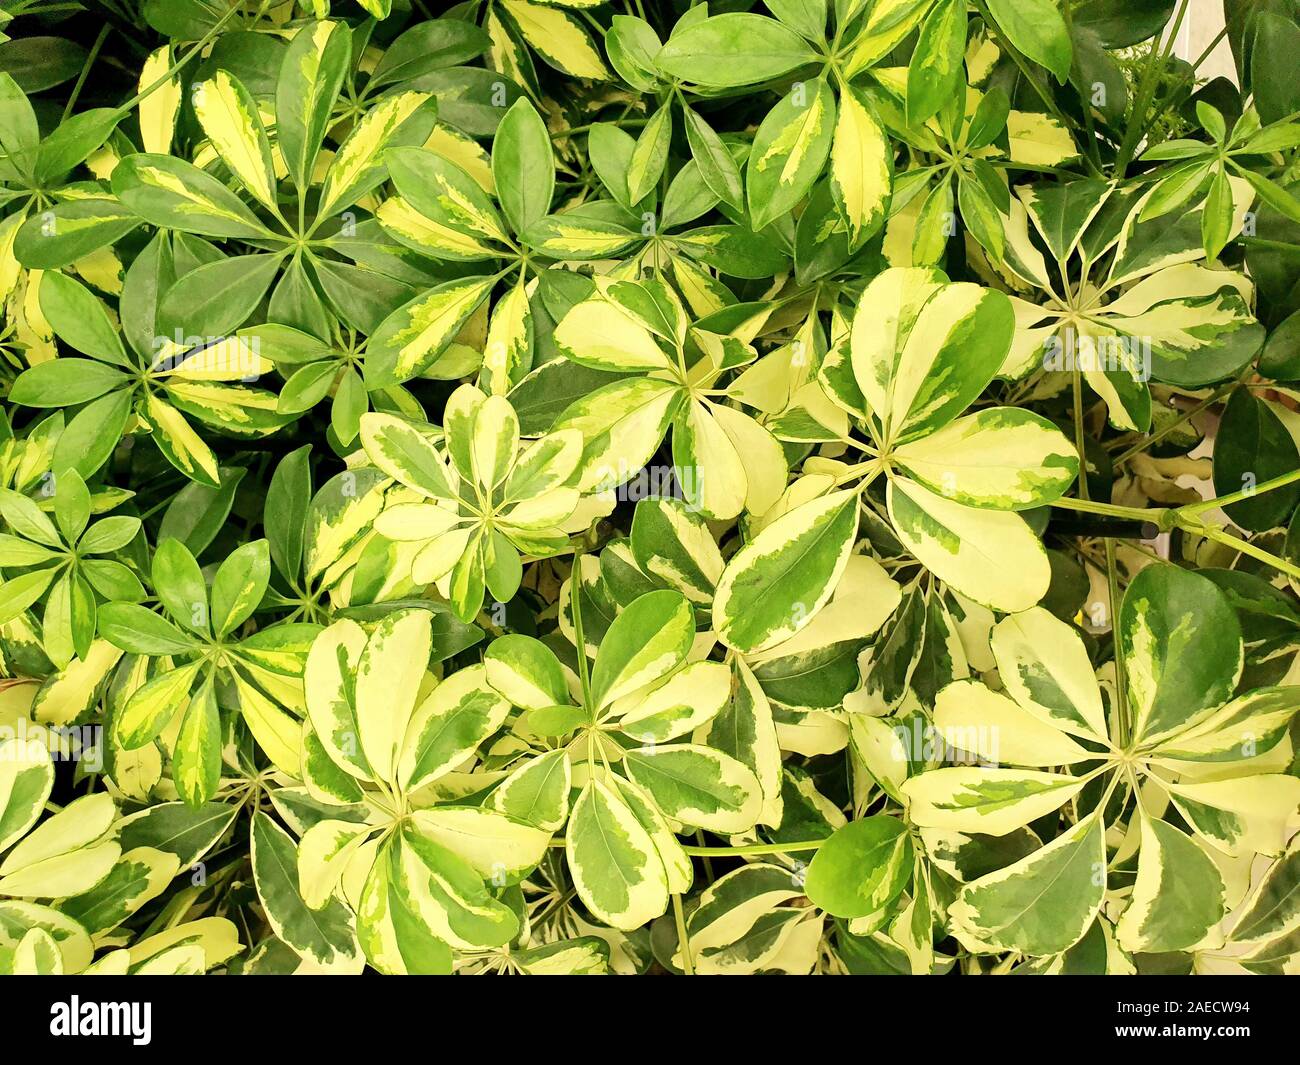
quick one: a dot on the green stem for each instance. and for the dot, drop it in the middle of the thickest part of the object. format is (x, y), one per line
(708, 864)
(1121, 674)
(1139, 123)
(1161, 516)
(754, 848)
(1093, 152)
(1080, 435)
(575, 604)
(85, 69)
(683, 937)
(189, 54)
(1155, 438)
(1246, 493)
(1172, 95)
(1213, 532)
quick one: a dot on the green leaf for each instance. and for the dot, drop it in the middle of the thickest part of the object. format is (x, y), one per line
(311, 74)
(42, 62)
(197, 759)
(287, 499)
(448, 726)
(1042, 904)
(1003, 458)
(140, 631)
(174, 194)
(615, 866)
(523, 165)
(64, 382)
(526, 672)
(1037, 29)
(935, 69)
(717, 165)
(400, 118)
(26, 778)
(218, 297)
(180, 585)
(1273, 906)
(632, 44)
(958, 544)
(774, 585)
(736, 48)
(650, 155)
(1182, 650)
(992, 801)
(923, 349)
(413, 336)
(537, 792)
(1045, 667)
(323, 936)
(238, 586)
(790, 150)
(1177, 896)
(70, 231)
(392, 933)
(19, 134)
(861, 166)
(178, 829)
(139, 875)
(67, 854)
(698, 786)
(1272, 56)
(27, 519)
(647, 641)
(428, 46)
(1252, 446)
(198, 512)
(72, 141)
(82, 321)
(862, 868)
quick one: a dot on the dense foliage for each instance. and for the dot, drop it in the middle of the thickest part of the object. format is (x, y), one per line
(615, 486)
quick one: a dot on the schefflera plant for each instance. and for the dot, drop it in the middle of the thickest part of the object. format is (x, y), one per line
(188, 662)
(787, 697)
(1126, 297)
(482, 501)
(671, 373)
(617, 733)
(921, 350)
(153, 383)
(1170, 777)
(300, 262)
(64, 563)
(657, 242)
(416, 866)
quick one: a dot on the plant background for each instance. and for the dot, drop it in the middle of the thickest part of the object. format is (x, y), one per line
(248, 889)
